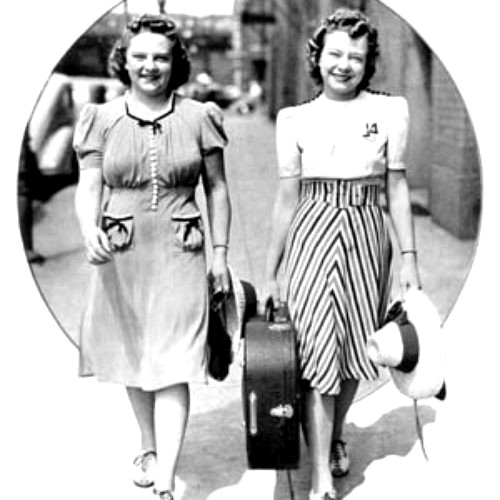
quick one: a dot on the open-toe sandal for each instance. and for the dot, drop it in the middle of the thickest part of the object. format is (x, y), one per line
(144, 466)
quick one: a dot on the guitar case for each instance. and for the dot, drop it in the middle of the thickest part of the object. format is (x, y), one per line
(271, 391)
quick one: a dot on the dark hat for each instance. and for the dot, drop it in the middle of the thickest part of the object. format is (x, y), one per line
(240, 305)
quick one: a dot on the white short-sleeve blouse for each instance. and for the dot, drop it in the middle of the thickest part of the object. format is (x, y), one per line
(343, 139)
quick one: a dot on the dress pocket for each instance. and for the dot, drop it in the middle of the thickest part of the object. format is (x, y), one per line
(119, 230)
(189, 230)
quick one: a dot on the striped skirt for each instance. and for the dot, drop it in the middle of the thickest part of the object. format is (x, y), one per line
(337, 268)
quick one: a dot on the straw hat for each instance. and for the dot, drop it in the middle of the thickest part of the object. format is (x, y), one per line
(411, 345)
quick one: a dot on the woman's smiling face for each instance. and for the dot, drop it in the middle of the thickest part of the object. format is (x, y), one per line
(342, 64)
(149, 63)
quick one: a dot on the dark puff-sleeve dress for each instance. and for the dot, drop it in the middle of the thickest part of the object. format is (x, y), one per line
(146, 315)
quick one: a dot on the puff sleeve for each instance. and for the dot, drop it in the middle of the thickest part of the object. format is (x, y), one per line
(397, 134)
(289, 161)
(213, 135)
(87, 139)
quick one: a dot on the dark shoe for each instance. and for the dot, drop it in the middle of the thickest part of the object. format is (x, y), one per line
(144, 469)
(34, 257)
(339, 461)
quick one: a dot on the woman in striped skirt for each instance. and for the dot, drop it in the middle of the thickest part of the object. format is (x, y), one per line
(336, 154)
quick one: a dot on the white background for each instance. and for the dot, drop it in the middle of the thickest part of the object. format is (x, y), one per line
(39, 412)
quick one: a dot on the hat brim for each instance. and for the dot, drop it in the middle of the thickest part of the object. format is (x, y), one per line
(427, 378)
(241, 305)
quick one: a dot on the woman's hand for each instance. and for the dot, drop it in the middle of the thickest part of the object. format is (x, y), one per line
(220, 271)
(409, 276)
(97, 246)
(193, 239)
(400, 210)
(88, 200)
(284, 208)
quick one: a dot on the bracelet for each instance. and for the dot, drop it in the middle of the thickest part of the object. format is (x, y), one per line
(411, 250)
(222, 245)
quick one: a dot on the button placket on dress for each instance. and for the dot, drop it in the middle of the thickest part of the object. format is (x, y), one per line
(153, 163)
(154, 129)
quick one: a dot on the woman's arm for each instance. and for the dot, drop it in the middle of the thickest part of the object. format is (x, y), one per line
(282, 215)
(88, 210)
(398, 198)
(219, 214)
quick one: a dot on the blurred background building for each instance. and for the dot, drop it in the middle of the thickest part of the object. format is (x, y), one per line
(253, 58)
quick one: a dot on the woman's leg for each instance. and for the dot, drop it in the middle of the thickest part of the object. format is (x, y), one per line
(171, 415)
(343, 402)
(143, 405)
(319, 410)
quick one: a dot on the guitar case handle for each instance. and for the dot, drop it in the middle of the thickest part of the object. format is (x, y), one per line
(276, 314)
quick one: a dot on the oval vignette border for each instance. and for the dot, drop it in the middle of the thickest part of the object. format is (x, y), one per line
(473, 312)
(64, 320)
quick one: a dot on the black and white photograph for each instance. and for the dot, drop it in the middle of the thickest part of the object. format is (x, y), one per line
(249, 250)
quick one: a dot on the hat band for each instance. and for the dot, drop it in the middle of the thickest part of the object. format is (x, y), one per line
(410, 348)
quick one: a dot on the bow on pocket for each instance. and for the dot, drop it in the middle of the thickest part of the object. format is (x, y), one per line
(119, 230)
(189, 230)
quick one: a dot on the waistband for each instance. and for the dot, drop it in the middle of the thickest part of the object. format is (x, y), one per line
(341, 192)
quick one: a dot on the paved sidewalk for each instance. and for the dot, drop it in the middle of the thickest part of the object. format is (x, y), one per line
(380, 428)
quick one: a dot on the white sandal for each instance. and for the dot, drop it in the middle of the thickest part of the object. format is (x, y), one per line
(329, 495)
(144, 469)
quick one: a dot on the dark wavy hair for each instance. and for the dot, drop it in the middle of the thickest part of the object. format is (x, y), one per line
(161, 24)
(356, 24)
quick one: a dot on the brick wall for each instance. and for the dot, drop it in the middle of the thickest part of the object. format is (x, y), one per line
(288, 82)
(455, 185)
